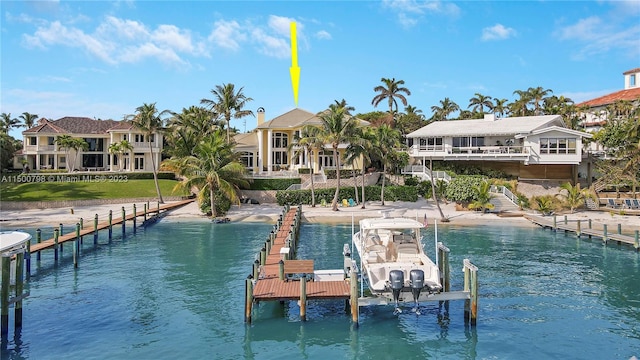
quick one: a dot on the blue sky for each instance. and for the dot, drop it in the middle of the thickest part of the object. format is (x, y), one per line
(104, 59)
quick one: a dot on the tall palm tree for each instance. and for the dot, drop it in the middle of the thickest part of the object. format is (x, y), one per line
(387, 142)
(478, 102)
(500, 108)
(446, 108)
(536, 98)
(361, 146)
(434, 194)
(120, 149)
(308, 141)
(228, 103)
(28, 119)
(186, 129)
(214, 169)
(7, 123)
(65, 142)
(337, 127)
(148, 120)
(391, 91)
(519, 106)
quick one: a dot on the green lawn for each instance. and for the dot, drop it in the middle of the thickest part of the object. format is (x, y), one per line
(82, 190)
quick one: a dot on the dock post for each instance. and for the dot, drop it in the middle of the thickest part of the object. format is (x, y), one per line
(124, 220)
(95, 229)
(267, 245)
(135, 214)
(474, 296)
(110, 224)
(28, 258)
(565, 220)
(555, 223)
(256, 269)
(604, 234)
(578, 231)
(353, 282)
(56, 233)
(81, 228)
(4, 297)
(636, 242)
(281, 269)
(263, 256)
(443, 265)
(466, 288)
(19, 288)
(303, 298)
(619, 229)
(145, 212)
(38, 240)
(158, 208)
(61, 229)
(76, 245)
(248, 302)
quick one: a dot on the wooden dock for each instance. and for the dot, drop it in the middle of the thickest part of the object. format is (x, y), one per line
(278, 276)
(586, 228)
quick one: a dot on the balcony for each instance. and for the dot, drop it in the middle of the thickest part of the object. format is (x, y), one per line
(502, 153)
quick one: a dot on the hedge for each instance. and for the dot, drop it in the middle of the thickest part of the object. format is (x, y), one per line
(273, 184)
(372, 193)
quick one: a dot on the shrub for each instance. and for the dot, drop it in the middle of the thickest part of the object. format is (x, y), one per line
(460, 189)
(221, 202)
(273, 184)
(372, 193)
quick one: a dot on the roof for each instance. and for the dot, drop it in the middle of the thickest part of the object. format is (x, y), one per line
(296, 118)
(632, 71)
(480, 127)
(77, 125)
(560, 129)
(627, 94)
(246, 141)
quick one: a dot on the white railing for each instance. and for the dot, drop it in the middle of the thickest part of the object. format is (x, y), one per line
(506, 192)
(448, 150)
(424, 172)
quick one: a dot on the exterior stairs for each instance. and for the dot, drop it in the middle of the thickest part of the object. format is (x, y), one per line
(502, 203)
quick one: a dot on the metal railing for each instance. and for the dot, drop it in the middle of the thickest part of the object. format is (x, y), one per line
(425, 173)
(499, 189)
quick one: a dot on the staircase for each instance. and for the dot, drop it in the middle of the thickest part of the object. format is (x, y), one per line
(502, 203)
(423, 172)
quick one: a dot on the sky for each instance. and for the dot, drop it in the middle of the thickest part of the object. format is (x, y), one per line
(102, 59)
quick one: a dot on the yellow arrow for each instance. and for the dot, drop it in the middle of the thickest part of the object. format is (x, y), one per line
(294, 69)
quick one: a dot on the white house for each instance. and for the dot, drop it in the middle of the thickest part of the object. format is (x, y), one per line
(43, 152)
(530, 147)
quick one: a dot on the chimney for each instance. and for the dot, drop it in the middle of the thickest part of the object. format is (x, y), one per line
(489, 117)
(260, 116)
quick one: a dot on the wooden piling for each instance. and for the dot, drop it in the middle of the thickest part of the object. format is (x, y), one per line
(303, 298)
(619, 229)
(256, 269)
(555, 223)
(19, 288)
(110, 224)
(145, 212)
(56, 233)
(95, 229)
(353, 282)
(60, 226)
(28, 258)
(471, 285)
(38, 241)
(76, 244)
(124, 221)
(135, 215)
(636, 242)
(474, 296)
(4, 297)
(578, 231)
(263, 256)
(443, 265)
(604, 234)
(248, 302)
(281, 269)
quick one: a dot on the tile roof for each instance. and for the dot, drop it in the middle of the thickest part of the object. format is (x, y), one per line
(631, 71)
(627, 94)
(482, 127)
(295, 118)
(77, 125)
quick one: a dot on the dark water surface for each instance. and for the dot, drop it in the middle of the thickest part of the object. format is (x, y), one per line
(176, 291)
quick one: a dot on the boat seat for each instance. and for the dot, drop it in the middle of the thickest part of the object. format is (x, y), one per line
(407, 253)
(377, 253)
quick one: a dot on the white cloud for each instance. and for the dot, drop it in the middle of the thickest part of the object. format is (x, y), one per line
(271, 45)
(323, 35)
(497, 32)
(282, 25)
(409, 12)
(227, 34)
(598, 36)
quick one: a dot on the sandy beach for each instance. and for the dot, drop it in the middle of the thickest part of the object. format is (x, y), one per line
(12, 219)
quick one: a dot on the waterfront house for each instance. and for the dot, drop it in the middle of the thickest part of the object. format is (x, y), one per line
(42, 151)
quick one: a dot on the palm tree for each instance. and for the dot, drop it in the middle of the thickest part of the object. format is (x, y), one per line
(214, 169)
(7, 123)
(478, 102)
(501, 108)
(391, 91)
(573, 195)
(387, 141)
(150, 122)
(482, 197)
(446, 108)
(536, 97)
(28, 119)
(66, 142)
(120, 148)
(411, 120)
(337, 127)
(362, 146)
(519, 106)
(434, 193)
(228, 103)
(189, 127)
(308, 141)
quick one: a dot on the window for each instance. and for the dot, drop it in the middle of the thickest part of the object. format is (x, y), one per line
(32, 140)
(95, 144)
(467, 141)
(138, 161)
(279, 158)
(326, 158)
(50, 140)
(247, 159)
(279, 140)
(125, 137)
(152, 138)
(632, 80)
(139, 138)
(557, 146)
(63, 159)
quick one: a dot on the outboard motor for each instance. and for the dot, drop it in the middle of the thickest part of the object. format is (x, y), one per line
(416, 276)
(396, 280)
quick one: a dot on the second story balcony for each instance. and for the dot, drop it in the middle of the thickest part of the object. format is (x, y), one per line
(514, 153)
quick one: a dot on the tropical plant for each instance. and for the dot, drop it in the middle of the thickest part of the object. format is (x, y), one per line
(120, 148)
(188, 128)
(228, 103)
(361, 147)
(482, 197)
(446, 108)
(336, 127)
(545, 204)
(536, 97)
(148, 120)
(7, 123)
(478, 102)
(519, 106)
(387, 144)
(213, 169)
(28, 119)
(7, 149)
(68, 143)
(391, 91)
(308, 142)
(411, 120)
(501, 107)
(573, 196)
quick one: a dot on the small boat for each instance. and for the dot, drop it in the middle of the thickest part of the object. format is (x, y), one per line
(393, 260)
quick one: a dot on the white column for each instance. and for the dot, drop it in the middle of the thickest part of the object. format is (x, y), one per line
(269, 162)
(260, 155)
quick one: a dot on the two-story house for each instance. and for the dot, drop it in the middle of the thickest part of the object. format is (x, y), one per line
(530, 147)
(43, 151)
(267, 150)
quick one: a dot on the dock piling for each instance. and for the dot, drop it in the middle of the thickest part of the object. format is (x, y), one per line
(555, 223)
(470, 285)
(135, 215)
(248, 302)
(19, 288)
(124, 221)
(76, 245)
(110, 224)
(303, 298)
(95, 229)
(256, 269)
(604, 234)
(636, 242)
(578, 230)
(4, 296)
(56, 233)
(38, 241)
(281, 269)
(619, 228)
(145, 213)
(353, 282)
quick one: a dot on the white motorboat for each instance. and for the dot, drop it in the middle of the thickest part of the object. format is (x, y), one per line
(393, 260)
